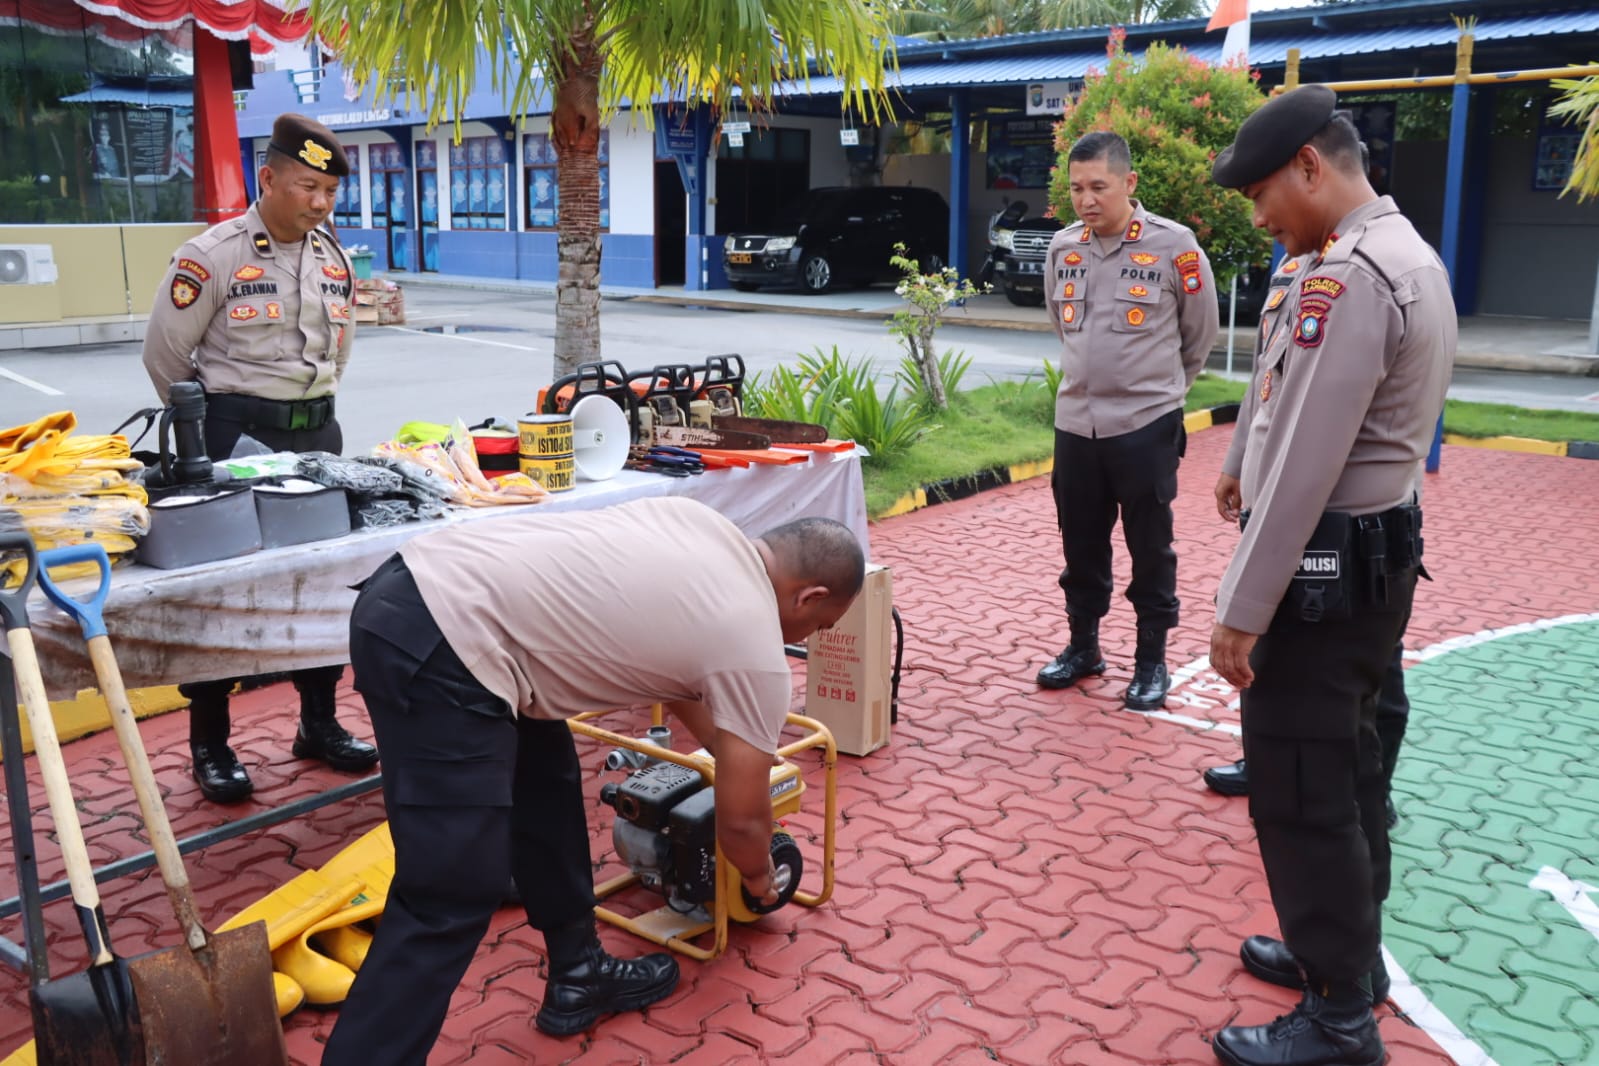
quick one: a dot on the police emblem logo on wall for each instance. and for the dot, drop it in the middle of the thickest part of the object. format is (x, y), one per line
(184, 292)
(1312, 324)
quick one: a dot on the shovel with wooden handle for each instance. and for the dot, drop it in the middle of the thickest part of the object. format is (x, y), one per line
(89, 1018)
(210, 1001)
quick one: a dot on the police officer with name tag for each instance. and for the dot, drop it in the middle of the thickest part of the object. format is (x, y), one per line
(257, 310)
(1132, 298)
(1346, 391)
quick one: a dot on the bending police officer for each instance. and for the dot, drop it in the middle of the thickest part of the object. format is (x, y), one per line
(1133, 300)
(472, 648)
(1346, 391)
(257, 310)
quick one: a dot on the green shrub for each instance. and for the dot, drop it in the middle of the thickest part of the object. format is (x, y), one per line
(885, 427)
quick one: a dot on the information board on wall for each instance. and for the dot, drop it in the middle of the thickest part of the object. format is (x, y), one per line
(1021, 152)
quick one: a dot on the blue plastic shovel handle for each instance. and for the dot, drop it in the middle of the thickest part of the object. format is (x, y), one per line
(88, 614)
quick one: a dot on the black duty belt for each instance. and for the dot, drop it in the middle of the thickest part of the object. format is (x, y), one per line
(1349, 560)
(271, 414)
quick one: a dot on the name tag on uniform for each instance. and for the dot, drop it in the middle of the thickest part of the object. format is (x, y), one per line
(1317, 566)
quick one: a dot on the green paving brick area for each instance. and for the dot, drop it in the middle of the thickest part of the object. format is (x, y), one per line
(1496, 859)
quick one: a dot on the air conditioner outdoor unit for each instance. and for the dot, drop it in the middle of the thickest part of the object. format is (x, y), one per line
(27, 264)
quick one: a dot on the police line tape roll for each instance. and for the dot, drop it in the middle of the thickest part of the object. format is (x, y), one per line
(544, 450)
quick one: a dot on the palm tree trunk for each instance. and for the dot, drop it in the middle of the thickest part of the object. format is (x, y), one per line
(575, 132)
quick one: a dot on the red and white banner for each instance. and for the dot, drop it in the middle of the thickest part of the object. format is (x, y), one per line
(127, 22)
(1234, 16)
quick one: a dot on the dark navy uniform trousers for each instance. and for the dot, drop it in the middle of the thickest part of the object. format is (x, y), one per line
(1134, 474)
(1317, 781)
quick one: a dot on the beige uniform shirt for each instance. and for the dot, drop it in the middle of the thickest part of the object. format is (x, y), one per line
(1350, 378)
(1136, 320)
(661, 599)
(241, 313)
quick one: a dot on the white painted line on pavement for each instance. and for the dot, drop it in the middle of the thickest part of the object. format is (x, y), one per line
(459, 337)
(1572, 895)
(29, 382)
(1430, 1020)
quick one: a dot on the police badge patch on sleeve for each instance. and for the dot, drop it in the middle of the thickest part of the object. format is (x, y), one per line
(1187, 264)
(1312, 325)
(184, 291)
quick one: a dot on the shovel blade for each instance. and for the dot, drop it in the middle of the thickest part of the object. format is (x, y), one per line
(87, 1019)
(212, 1006)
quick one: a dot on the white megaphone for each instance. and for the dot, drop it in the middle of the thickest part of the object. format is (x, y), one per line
(600, 438)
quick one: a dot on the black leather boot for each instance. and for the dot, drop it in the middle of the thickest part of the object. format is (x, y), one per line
(222, 779)
(1270, 960)
(1080, 659)
(1332, 1026)
(320, 735)
(1229, 780)
(585, 983)
(1151, 682)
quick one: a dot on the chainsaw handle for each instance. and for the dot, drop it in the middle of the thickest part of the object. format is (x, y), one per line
(14, 604)
(89, 615)
(605, 377)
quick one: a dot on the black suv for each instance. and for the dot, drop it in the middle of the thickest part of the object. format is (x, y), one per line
(1016, 250)
(839, 235)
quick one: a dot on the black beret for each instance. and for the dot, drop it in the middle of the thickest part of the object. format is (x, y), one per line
(1269, 138)
(308, 142)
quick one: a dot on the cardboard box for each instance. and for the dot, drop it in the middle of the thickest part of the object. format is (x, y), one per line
(848, 669)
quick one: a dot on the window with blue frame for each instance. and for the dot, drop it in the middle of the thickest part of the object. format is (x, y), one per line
(347, 200)
(543, 192)
(477, 183)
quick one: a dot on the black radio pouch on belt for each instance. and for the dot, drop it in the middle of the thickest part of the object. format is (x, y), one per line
(1323, 587)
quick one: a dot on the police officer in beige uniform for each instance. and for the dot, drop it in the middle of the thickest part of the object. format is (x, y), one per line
(1133, 300)
(1346, 391)
(257, 310)
(1393, 705)
(472, 648)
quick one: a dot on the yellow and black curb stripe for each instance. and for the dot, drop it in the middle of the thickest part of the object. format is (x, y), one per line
(959, 488)
(1571, 449)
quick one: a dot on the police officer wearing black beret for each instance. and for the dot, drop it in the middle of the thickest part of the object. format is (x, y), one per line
(1352, 364)
(257, 310)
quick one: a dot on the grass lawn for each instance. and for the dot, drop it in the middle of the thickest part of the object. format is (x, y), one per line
(1011, 422)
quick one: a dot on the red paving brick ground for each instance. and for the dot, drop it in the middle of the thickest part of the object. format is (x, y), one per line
(1023, 877)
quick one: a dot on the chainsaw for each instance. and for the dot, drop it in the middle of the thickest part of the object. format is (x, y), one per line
(664, 414)
(718, 404)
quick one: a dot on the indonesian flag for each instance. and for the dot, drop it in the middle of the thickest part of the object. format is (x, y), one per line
(1233, 14)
